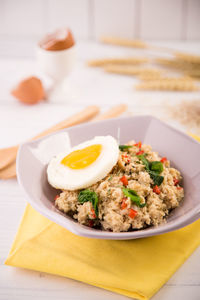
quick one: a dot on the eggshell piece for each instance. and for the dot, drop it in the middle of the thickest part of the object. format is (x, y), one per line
(61, 39)
(29, 91)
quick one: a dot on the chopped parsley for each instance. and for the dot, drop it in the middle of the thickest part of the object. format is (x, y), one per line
(133, 196)
(88, 195)
(124, 147)
(153, 168)
(156, 166)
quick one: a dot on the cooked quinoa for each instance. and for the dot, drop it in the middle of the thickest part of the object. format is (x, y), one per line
(140, 191)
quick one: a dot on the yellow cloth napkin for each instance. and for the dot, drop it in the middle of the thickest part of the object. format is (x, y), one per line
(135, 268)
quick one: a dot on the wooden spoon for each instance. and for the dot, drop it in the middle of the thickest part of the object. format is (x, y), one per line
(113, 112)
(10, 171)
(8, 155)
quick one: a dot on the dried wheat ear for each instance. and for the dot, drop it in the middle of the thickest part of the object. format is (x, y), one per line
(188, 58)
(131, 70)
(193, 73)
(178, 63)
(117, 60)
(169, 84)
(150, 76)
(123, 42)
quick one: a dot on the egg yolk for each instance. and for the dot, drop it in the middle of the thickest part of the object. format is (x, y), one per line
(82, 158)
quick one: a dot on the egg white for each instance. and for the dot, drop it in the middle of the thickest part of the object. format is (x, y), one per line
(65, 178)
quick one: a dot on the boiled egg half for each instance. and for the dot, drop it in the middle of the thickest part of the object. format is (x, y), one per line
(84, 164)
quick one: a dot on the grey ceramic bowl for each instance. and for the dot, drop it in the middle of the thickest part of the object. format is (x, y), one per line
(180, 149)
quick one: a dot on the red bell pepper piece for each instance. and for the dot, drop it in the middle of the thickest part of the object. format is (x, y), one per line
(163, 159)
(123, 205)
(156, 189)
(140, 152)
(124, 180)
(93, 213)
(132, 213)
(139, 144)
(176, 181)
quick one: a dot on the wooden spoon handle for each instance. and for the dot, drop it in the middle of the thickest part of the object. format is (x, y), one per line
(9, 171)
(83, 116)
(113, 112)
(7, 155)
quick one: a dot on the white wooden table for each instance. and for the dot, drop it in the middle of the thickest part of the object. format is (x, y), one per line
(19, 122)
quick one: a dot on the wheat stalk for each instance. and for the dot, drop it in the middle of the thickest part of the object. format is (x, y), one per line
(120, 60)
(131, 70)
(185, 57)
(188, 58)
(177, 64)
(193, 73)
(149, 76)
(123, 42)
(169, 84)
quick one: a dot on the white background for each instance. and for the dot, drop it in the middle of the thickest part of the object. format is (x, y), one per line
(152, 19)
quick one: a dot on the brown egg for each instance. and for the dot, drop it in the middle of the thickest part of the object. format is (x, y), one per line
(61, 39)
(29, 91)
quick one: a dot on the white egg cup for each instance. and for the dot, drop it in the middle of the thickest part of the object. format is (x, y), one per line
(57, 65)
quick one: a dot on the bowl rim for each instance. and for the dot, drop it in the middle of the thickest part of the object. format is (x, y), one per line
(81, 230)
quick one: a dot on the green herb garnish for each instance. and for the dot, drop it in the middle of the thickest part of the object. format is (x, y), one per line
(124, 147)
(144, 160)
(156, 166)
(88, 195)
(157, 179)
(153, 168)
(133, 196)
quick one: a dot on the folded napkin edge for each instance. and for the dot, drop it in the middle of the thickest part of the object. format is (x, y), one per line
(131, 294)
